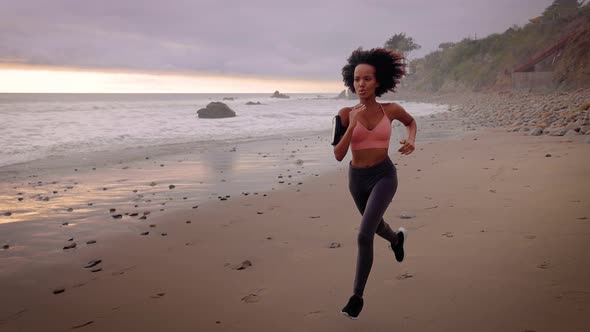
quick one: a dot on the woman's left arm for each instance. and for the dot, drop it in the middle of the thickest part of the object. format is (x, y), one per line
(400, 114)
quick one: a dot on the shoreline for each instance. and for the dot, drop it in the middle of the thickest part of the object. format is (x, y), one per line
(115, 193)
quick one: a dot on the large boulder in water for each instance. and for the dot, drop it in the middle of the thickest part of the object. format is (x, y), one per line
(216, 110)
(346, 94)
(277, 94)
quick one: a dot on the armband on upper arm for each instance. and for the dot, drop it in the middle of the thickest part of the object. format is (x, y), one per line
(338, 130)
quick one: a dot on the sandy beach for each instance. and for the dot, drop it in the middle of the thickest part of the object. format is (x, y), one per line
(499, 230)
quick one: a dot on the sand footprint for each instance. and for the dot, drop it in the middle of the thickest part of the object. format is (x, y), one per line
(252, 297)
(313, 315)
(404, 276)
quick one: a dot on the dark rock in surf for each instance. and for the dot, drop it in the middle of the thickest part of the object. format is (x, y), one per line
(216, 110)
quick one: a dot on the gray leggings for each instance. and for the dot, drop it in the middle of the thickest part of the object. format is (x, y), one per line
(372, 189)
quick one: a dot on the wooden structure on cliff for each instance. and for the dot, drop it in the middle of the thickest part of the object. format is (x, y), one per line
(524, 77)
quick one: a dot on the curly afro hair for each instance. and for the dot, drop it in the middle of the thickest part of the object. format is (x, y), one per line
(389, 68)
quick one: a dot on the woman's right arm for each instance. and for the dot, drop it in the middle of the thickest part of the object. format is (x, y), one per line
(341, 148)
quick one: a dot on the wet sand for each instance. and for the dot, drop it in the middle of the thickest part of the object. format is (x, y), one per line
(499, 230)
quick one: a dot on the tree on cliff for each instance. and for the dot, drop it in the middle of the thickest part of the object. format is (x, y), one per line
(402, 44)
(561, 9)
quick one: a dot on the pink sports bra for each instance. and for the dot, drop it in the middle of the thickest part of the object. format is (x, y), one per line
(362, 138)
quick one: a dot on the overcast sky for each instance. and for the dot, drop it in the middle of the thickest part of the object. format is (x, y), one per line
(297, 39)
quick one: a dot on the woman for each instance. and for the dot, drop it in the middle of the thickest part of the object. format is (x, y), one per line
(372, 175)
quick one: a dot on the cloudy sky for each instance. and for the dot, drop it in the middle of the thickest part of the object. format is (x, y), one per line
(296, 42)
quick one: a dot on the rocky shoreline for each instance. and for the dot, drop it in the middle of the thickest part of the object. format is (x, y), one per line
(558, 113)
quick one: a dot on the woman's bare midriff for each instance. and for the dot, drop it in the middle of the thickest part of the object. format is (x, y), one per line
(368, 157)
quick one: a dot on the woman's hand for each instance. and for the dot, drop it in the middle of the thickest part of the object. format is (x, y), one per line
(354, 113)
(407, 146)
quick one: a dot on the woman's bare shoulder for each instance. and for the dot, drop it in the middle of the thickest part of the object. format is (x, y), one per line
(392, 110)
(344, 112)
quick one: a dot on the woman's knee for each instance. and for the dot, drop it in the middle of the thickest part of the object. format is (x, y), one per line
(365, 240)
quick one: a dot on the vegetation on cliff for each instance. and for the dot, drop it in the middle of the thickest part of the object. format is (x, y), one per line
(476, 64)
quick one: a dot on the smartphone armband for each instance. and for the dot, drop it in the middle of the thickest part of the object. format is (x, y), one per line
(338, 130)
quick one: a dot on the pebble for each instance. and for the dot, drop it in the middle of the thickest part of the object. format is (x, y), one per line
(70, 246)
(407, 215)
(245, 264)
(93, 263)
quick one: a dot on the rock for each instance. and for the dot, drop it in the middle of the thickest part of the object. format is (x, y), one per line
(7, 214)
(548, 155)
(92, 263)
(216, 110)
(256, 103)
(587, 139)
(571, 133)
(536, 132)
(334, 245)
(251, 298)
(70, 246)
(145, 233)
(228, 98)
(59, 290)
(407, 215)
(245, 264)
(346, 94)
(5, 247)
(117, 216)
(91, 242)
(277, 94)
(171, 186)
(557, 132)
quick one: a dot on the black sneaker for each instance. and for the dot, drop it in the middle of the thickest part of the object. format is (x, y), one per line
(398, 249)
(353, 307)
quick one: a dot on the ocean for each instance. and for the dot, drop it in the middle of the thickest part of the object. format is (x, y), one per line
(37, 126)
